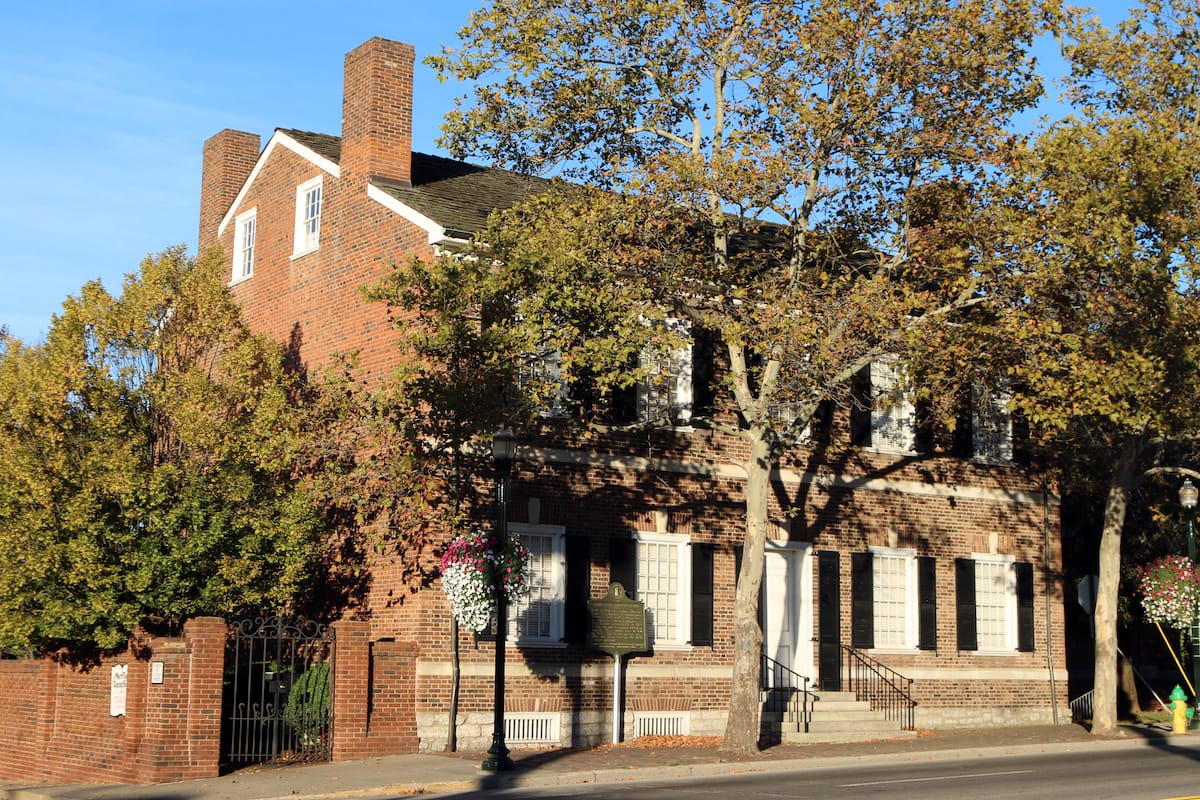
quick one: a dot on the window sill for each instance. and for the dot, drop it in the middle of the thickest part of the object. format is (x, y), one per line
(895, 651)
(992, 653)
(241, 279)
(992, 462)
(670, 647)
(889, 451)
(302, 253)
(537, 644)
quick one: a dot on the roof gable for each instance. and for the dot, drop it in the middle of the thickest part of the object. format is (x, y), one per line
(449, 199)
(306, 145)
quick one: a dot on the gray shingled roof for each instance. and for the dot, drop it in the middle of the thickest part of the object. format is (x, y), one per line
(457, 195)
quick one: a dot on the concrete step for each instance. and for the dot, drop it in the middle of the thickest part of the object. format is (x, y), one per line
(859, 715)
(875, 725)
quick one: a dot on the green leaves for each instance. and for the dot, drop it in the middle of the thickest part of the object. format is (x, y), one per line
(147, 457)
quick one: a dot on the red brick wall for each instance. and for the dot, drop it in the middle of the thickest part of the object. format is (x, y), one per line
(374, 694)
(59, 728)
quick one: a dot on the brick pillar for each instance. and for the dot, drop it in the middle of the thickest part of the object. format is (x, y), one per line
(229, 158)
(351, 684)
(206, 640)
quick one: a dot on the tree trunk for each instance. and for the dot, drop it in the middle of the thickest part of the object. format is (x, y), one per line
(1104, 687)
(1127, 685)
(745, 702)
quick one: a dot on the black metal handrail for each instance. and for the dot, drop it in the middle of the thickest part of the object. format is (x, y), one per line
(786, 691)
(881, 686)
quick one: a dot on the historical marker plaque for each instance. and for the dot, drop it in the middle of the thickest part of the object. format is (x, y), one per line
(618, 623)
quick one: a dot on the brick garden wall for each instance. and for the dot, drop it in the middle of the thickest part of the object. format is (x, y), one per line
(59, 727)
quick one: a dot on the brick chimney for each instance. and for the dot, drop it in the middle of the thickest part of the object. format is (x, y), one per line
(377, 111)
(229, 158)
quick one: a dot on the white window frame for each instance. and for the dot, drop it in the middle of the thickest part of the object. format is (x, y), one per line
(546, 367)
(243, 251)
(670, 395)
(1005, 611)
(893, 414)
(551, 585)
(908, 638)
(678, 635)
(306, 238)
(991, 426)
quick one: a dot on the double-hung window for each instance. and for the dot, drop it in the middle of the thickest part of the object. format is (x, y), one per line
(894, 599)
(245, 229)
(991, 426)
(308, 216)
(884, 416)
(541, 374)
(995, 604)
(656, 568)
(665, 391)
(537, 618)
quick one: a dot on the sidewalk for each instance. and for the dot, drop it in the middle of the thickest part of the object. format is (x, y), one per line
(658, 758)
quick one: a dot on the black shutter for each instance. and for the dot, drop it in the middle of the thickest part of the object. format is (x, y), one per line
(927, 600)
(1021, 441)
(964, 592)
(964, 428)
(923, 422)
(622, 564)
(702, 594)
(576, 621)
(1024, 606)
(829, 620)
(704, 370)
(860, 408)
(862, 600)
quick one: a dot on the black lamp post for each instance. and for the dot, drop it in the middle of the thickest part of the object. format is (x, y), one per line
(1188, 497)
(504, 448)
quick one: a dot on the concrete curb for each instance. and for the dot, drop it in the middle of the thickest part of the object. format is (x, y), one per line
(454, 775)
(724, 768)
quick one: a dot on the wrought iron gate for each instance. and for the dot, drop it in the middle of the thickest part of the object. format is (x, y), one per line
(278, 691)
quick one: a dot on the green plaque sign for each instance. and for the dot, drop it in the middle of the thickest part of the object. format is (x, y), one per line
(618, 623)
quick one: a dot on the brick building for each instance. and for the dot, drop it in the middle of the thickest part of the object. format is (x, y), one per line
(943, 566)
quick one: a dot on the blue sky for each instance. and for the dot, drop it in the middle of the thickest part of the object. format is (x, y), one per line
(106, 106)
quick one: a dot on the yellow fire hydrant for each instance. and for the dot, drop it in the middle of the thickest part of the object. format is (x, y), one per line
(1180, 713)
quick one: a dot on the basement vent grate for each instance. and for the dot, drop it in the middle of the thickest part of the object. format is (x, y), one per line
(661, 723)
(531, 727)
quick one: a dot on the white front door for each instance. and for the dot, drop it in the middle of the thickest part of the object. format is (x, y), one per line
(787, 608)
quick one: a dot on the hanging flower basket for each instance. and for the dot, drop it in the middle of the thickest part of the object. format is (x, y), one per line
(468, 570)
(1170, 590)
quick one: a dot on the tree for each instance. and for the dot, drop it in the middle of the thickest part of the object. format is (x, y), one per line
(148, 454)
(758, 163)
(1102, 232)
(450, 391)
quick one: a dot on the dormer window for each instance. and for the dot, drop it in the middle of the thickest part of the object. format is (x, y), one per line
(308, 217)
(244, 231)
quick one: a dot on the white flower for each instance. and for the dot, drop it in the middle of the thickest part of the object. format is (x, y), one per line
(469, 567)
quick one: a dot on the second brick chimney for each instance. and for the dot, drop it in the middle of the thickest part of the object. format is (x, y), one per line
(377, 111)
(229, 157)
